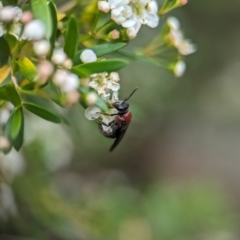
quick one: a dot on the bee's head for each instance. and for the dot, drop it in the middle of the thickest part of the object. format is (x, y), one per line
(121, 106)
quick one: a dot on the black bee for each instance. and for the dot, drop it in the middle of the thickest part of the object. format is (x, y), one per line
(119, 126)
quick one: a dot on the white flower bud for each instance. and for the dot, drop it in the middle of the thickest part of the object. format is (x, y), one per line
(91, 98)
(26, 17)
(88, 56)
(103, 6)
(115, 34)
(45, 70)
(60, 77)
(68, 63)
(34, 30)
(72, 98)
(131, 32)
(59, 57)
(179, 68)
(42, 47)
(71, 83)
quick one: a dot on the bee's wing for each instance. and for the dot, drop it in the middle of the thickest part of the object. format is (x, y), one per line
(120, 136)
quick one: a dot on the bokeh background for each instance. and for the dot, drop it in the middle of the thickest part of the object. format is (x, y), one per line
(175, 176)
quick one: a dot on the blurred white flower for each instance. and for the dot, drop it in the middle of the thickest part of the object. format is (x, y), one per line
(184, 46)
(10, 14)
(91, 98)
(34, 30)
(65, 80)
(103, 6)
(88, 56)
(5, 112)
(44, 70)
(92, 112)
(4, 143)
(59, 56)
(41, 48)
(26, 17)
(179, 68)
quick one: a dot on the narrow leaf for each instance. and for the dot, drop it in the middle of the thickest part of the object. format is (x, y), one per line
(41, 11)
(19, 139)
(16, 123)
(27, 68)
(9, 93)
(42, 112)
(100, 50)
(4, 51)
(53, 13)
(4, 72)
(71, 37)
(101, 66)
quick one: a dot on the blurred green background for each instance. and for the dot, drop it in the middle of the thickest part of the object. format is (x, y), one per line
(175, 176)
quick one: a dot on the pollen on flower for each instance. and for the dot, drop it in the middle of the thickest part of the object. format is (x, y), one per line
(88, 56)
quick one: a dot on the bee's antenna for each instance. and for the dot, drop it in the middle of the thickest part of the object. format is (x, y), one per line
(131, 94)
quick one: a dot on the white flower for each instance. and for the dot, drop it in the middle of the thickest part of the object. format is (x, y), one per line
(65, 80)
(91, 98)
(173, 23)
(9, 14)
(103, 6)
(59, 57)
(71, 83)
(184, 46)
(98, 82)
(114, 76)
(179, 68)
(132, 14)
(88, 56)
(121, 14)
(4, 143)
(42, 47)
(92, 112)
(34, 30)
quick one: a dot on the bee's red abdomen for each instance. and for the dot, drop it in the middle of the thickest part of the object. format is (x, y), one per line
(127, 117)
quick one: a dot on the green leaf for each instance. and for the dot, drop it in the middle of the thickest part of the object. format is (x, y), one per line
(44, 113)
(9, 93)
(53, 13)
(97, 67)
(4, 51)
(9, 2)
(19, 139)
(41, 11)
(100, 50)
(27, 68)
(71, 37)
(14, 129)
(16, 123)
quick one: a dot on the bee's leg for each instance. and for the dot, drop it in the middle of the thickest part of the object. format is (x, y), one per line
(107, 114)
(103, 123)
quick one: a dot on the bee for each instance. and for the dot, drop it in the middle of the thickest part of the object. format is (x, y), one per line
(117, 127)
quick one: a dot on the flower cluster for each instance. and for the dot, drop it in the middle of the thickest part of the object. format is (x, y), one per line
(176, 37)
(132, 14)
